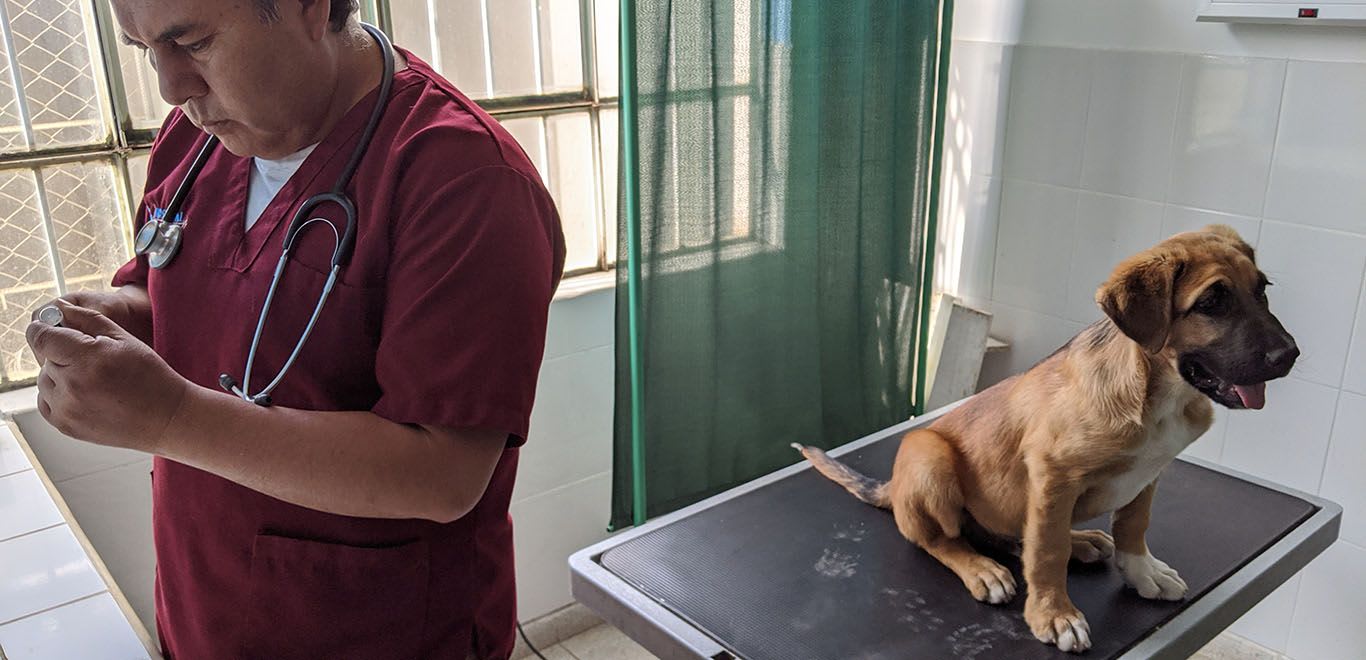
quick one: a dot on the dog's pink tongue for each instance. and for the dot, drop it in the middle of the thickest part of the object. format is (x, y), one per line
(1253, 396)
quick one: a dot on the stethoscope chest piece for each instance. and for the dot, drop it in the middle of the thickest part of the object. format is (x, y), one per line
(160, 240)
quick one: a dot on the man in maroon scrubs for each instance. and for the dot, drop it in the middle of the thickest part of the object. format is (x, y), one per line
(365, 513)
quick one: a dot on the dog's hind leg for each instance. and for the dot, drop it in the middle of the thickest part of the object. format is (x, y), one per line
(927, 501)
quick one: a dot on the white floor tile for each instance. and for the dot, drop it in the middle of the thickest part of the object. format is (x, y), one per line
(42, 570)
(606, 643)
(25, 505)
(90, 629)
(12, 458)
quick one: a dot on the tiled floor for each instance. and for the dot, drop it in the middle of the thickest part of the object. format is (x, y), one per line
(607, 643)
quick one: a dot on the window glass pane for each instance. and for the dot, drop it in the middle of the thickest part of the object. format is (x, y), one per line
(12, 135)
(412, 28)
(561, 33)
(530, 133)
(561, 147)
(145, 106)
(605, 14)
(87, 222)
(513, 47)
(26, 277)
(460, 42)
(574, 186)
(607, 121)
(56, 72)
(137, 177)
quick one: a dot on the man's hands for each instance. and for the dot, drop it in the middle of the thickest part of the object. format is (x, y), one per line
(127, 307)
(100, 383)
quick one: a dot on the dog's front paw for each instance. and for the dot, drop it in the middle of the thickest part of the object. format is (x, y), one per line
(1062, 625)
(1151, 576)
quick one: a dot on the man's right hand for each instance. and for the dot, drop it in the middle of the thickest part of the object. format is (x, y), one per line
(128, 306)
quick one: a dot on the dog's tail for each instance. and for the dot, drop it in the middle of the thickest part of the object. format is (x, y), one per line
(865, 488)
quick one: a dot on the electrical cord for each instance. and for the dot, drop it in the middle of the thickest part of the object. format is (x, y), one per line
(528, 641)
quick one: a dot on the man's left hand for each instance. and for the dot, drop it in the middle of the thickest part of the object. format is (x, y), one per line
(101, 384)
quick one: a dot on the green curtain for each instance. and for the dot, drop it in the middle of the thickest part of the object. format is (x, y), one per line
(777, 159)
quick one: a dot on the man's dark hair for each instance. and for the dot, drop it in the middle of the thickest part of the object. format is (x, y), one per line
(341, 11)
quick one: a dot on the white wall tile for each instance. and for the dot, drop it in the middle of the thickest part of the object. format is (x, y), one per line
(1109, 230)
(979, 88)
(25, 505)
(1032, 337)
(1318, 175)
(1225, 131)
(1177, 219)
(1033, 244)
(1130, 122)
(580, 323)
(571, 425)
(1049, 88)
(1355, 378)
(1343, 472)
(1328, 617)
(547, 529)
(114, 509)
(91, 629)
(12, 458)
(1210, 445)
(1287, 441)
(1317, 277)
(1268, 623)
(965, 254)
(44, 569)
(988, 20)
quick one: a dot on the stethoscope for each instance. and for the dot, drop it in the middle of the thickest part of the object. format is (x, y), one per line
(160, 237)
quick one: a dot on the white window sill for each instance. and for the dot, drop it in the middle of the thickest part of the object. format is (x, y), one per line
(587, 283)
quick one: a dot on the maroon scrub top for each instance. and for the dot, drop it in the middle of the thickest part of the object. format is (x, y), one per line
(439, 318)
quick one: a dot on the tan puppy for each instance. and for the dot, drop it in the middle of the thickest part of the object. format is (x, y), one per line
(1087, 430)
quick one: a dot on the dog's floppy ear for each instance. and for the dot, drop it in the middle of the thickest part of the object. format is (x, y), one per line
(1138, 297)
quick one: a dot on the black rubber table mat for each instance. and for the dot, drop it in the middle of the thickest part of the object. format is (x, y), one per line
(800, 570)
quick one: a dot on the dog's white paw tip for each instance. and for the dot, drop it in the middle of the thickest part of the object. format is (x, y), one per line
(1071, 634)
(1152, 578)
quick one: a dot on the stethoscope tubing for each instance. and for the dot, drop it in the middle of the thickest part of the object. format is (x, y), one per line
(168, 228)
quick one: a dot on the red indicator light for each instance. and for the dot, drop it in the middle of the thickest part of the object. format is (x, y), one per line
(1309, 12)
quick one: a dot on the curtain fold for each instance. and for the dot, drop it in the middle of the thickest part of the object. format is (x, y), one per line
(783, 175)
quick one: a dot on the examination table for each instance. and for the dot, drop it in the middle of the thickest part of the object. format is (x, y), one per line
(791, 567)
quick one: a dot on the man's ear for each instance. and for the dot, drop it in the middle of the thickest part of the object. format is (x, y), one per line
(1138, 298)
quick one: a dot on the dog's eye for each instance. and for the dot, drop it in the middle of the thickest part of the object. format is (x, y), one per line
(1212, 302)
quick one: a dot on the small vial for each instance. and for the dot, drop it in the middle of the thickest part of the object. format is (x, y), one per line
(50, 315)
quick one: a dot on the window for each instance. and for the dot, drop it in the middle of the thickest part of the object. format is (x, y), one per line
(78, 111)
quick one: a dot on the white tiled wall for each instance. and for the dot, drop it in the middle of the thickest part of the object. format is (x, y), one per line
(562, 500)
(1106, 151)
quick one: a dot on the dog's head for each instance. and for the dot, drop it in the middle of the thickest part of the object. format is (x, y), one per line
(1199, 300)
